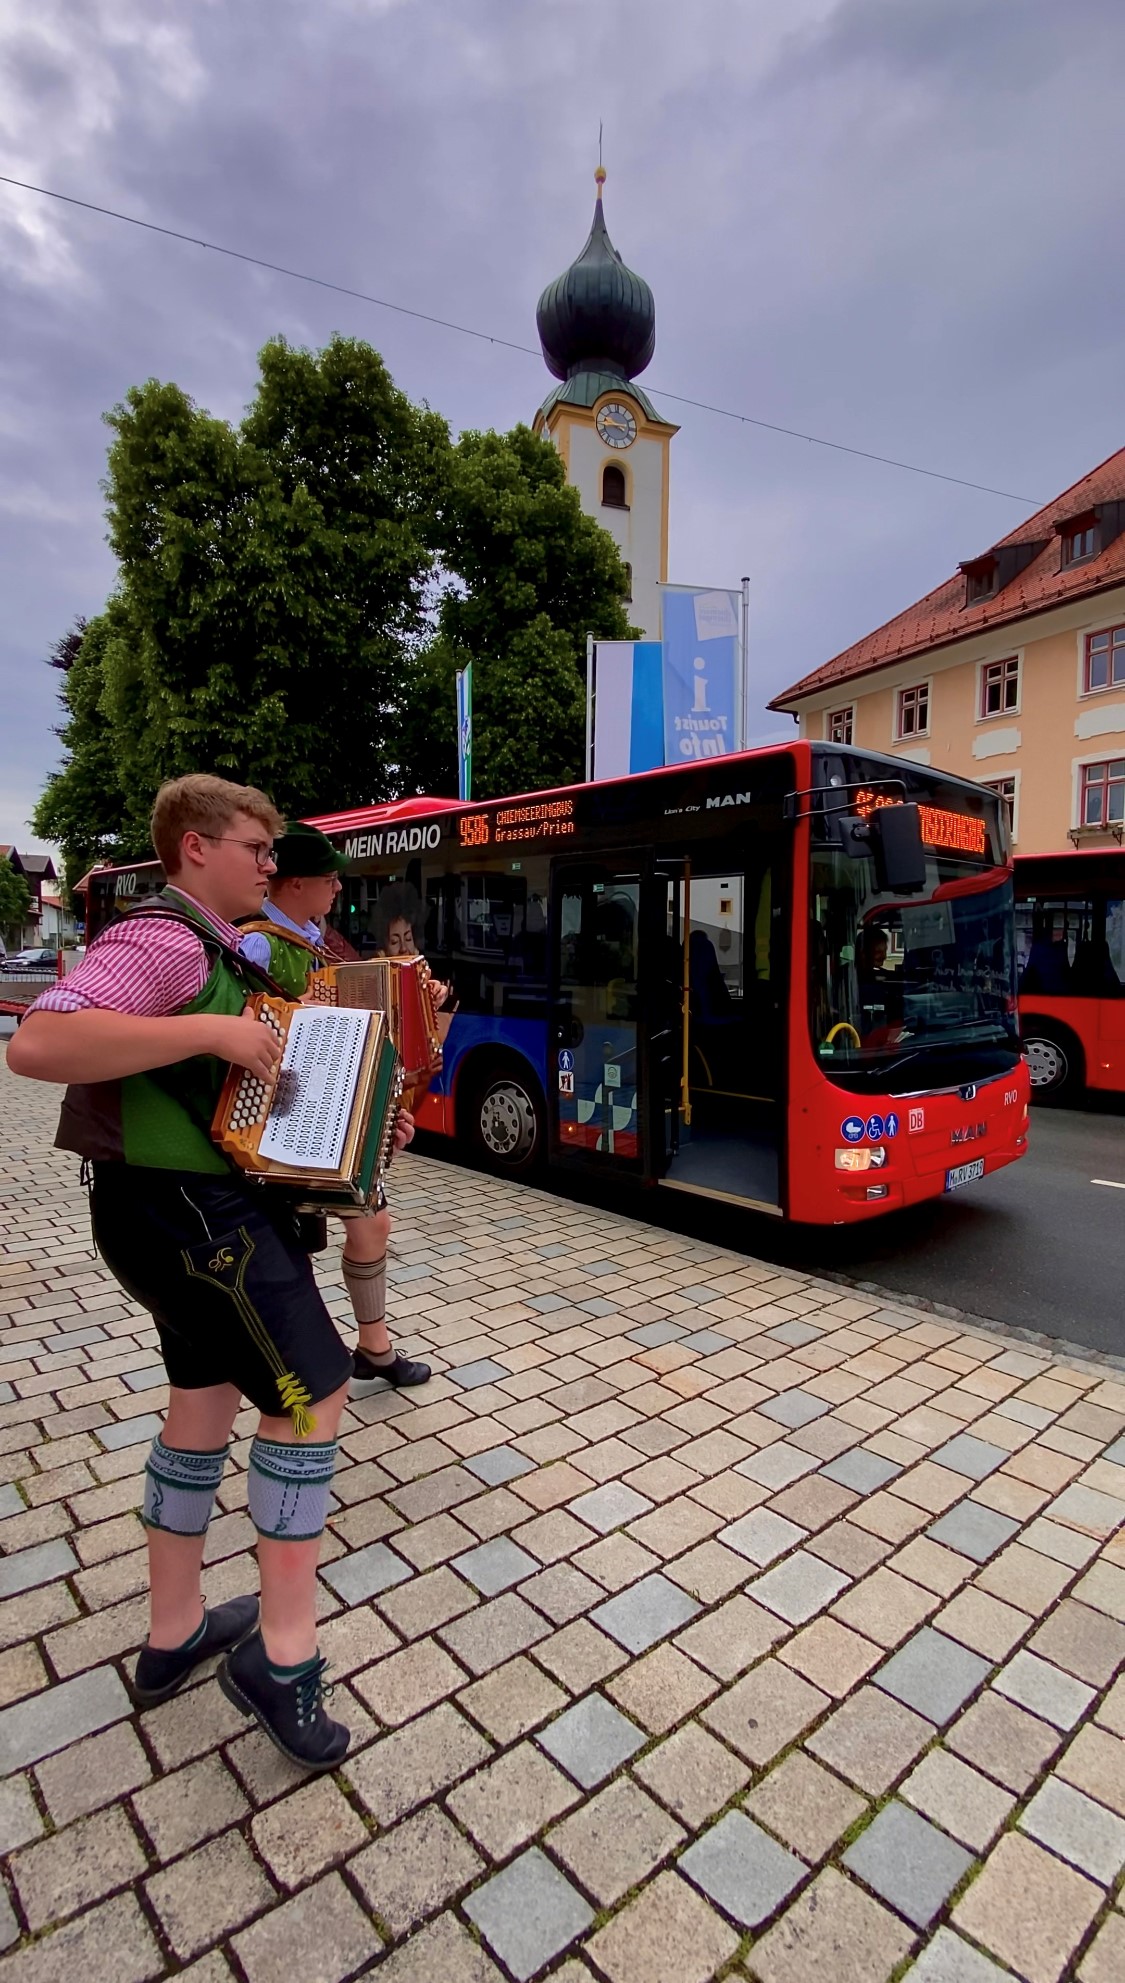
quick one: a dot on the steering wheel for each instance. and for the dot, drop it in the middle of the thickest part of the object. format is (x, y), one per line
(842, 1027)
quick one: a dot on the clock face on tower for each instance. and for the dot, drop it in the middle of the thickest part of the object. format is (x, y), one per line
(616, 425)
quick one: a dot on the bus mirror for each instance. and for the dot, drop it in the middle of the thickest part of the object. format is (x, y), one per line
(892, 838)
(900, 858)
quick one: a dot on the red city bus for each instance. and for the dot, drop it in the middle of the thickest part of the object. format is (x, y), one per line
(1070, 946)
(109, 892)
(783, 979)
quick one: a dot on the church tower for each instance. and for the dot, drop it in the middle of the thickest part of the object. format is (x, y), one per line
(597, 327)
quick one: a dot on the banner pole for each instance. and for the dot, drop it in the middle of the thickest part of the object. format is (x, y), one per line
(589, 708)
(744, 659)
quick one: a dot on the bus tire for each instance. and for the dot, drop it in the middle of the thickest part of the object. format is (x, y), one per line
(1054, 1061)
(505, 1120)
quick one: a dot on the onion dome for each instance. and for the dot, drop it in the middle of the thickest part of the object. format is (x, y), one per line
(597, 316)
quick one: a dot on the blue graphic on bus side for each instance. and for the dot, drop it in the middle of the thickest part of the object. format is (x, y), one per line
(851, 1129)
(893, 1125)
(566, 1061)
(875, 1127)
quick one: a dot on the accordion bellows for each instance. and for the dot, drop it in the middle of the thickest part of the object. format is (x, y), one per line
(325, 1127)
(400, 987)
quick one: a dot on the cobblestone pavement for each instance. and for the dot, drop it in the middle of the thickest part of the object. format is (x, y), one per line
(695, 1621)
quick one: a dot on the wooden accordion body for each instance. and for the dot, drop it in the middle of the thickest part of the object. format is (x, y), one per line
(400, 987)
(325, 1127)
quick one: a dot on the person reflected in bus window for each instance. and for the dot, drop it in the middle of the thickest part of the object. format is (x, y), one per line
(398, 919)
(1093, 975)
(711, 1001)
(1048, 967)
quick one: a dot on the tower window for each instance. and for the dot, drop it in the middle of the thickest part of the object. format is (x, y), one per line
(613, 487)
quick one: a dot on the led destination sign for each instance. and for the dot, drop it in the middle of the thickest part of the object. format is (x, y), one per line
(958, 832)
(535, 819)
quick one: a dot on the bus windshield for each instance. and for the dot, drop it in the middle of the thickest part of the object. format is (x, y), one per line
(906, 984)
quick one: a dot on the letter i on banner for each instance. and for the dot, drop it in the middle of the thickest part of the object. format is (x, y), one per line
(465, 732)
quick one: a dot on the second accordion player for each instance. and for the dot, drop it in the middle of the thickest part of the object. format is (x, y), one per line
(325, 1126)
(400, 987)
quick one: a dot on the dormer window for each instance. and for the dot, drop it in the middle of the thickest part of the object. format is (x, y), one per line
(980, 579)
(1080, 542)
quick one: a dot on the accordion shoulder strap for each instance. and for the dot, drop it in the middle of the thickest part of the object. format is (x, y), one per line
(256, 978)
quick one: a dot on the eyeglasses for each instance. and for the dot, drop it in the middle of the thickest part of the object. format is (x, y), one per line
(262, 850)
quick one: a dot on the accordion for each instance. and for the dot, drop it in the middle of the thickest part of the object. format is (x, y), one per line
(325, 1126)
(401, 988)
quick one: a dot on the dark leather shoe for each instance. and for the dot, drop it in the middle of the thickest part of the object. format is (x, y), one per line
(399, 1373)
(291, 1713)
(161, 1674)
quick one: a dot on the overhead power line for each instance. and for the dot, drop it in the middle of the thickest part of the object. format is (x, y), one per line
(489, 337)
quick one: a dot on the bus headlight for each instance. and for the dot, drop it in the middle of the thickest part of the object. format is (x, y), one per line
(854, 1160)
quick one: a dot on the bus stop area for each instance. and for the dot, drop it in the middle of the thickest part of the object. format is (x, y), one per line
(697, 1620)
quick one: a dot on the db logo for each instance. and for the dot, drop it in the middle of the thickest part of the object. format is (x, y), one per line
(917, 1121)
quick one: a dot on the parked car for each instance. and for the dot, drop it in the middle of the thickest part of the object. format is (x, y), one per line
(27, 961)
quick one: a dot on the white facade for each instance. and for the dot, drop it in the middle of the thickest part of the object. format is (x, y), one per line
(639, 531)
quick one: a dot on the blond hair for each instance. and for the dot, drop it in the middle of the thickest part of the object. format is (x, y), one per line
(201, 803)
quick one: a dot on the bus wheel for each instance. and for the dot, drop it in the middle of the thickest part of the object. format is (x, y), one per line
(506, 1123)
(1054, 1062)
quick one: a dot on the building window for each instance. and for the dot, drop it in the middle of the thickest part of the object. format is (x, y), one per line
(1079, 544)
(1006, 789)
(980, 581)
(613, 487)
(1000, 687)
(840, 724)
(913, 712)
(1103, 793)
(1105, 660)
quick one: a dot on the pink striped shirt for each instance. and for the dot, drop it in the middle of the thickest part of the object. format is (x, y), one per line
(146, 968)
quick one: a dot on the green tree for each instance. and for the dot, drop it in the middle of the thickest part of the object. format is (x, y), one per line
(529, 576)
(15, 900)
(84, 807)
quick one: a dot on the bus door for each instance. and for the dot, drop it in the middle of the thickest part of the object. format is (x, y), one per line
(597, 1059)
(722, 1078)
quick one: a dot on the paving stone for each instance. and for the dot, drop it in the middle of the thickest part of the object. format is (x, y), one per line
(496, 1565)
(707, 1341)
(591, 1740)
(933, 1675)
(805, 1805)
(798, 1588)
(1103, 1587)
(777, 1466)
(321, 1935)
(92, 1773)
(615, 1840)
(1079, 1830)
(871, 1740)
(762, 1537)
(610, 1506)
(1029, 1909)
(511, 1801)
(742, 1869)
(19, 1818)
(494, 1632)
(50, 1721)
(661, 1689)
(1095, 1763)
(615, 1561)
(72, 1869)
(794, 1408)
(412, 1871)
(417, 1762)
(958, 1798)
(973, 1531)
(512, 1700)
(470, 1376)
(645, 1612)
(762, 1714)
(433, 1542)
(833, 1658)
(365, 1572)
(580, 1656)
(668, 1931)
(833, 1930)
(1002, 1740)
(1083, 1642)
(562, 1592)
(29, 1568)
(654, 1335)
(131, 1432)
(861, 1471)
(908, 1862)
(968, 1455)
(1062, 1544)
(112, 1941)
(708, 1572)
(1091, 1513)
(1053, 1696)
(948, 1959)
(200, 1899)
(1104, 1961)
(192, 1804)
(308, 1831)
(427, 1602)
(692, 1774)
(498, 1464)
(441, 1953)
(528, 1913)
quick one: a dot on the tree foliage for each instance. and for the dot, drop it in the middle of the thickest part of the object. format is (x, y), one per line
(296, 593)
(15, 899)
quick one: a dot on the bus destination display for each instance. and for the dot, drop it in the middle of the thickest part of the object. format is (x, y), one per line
(533, 820)
(959, 832)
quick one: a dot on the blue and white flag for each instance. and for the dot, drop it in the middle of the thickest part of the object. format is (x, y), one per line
(628, 730)
(702, 665)
(465, 732)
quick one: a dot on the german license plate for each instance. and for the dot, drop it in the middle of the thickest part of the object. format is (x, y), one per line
(964, 1174)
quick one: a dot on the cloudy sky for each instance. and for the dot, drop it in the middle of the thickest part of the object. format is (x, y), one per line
(891, 223)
